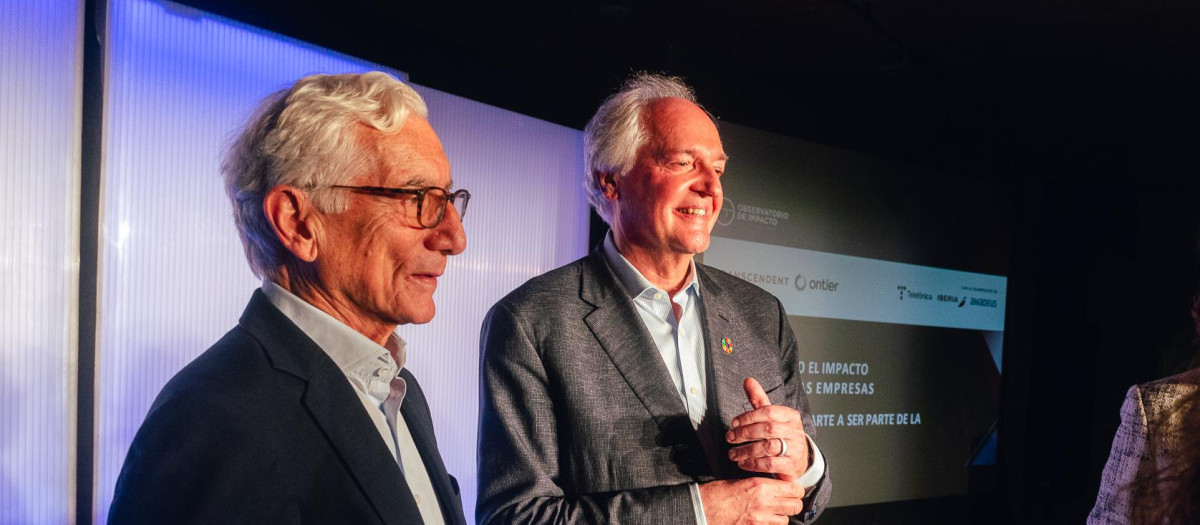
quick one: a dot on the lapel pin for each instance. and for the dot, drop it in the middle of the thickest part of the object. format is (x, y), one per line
(727, 345)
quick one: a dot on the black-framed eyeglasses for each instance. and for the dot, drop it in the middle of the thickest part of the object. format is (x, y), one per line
(431, 200)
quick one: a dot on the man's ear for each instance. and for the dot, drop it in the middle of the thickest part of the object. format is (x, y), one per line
(608, 185)
(291, 216)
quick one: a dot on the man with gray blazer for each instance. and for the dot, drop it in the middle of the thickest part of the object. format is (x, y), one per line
(634, 385)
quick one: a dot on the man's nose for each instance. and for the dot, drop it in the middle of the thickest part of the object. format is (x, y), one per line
(709, 182)
(448, 236)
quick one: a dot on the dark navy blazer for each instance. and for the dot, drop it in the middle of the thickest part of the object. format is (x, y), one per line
(264, 428)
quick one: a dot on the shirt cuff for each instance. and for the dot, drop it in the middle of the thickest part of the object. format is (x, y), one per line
(814, 473)
(697, 505)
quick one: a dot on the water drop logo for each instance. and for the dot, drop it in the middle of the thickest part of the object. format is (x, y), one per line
(727, 213)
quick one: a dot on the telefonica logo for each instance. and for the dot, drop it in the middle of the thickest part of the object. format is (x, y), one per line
(824, 285)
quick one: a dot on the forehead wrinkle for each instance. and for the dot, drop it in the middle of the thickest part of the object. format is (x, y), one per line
(398, 161)
(657, 142)
(696, 153)
(395, 161)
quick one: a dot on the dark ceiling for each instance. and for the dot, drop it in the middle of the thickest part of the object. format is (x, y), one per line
(1078, 89)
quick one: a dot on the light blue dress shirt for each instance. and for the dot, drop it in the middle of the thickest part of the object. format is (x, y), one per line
(680, 343)
(374, 376)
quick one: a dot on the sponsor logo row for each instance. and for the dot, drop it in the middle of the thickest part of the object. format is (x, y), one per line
(803, 283)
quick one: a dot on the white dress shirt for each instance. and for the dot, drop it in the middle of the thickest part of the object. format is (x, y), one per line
(680, 343)
(374, 376)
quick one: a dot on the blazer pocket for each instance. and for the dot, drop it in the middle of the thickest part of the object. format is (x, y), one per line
(776, 393)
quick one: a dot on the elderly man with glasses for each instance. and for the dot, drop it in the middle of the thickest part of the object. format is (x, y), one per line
(304, 411)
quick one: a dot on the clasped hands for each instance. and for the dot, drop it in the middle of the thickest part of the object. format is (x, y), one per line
(761, 434)
(764, 429)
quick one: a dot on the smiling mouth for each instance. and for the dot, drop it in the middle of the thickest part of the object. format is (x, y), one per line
(428, 278)
(700, 212)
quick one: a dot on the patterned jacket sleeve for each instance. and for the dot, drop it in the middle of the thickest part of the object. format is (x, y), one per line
(1128, 458)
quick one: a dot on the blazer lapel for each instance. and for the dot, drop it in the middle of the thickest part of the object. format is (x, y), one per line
(332, 404)
(415, 410)
(334, 407)
(730, 369)
(619, 330)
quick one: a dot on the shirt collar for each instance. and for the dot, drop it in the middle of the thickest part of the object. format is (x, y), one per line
(351, 351)
(632, 280)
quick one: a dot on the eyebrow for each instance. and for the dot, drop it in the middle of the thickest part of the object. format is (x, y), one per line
(692, 152)
(421, 181)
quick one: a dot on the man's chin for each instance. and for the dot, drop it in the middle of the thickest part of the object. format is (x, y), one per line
(420, 315)
(694, 245)
(422, 318)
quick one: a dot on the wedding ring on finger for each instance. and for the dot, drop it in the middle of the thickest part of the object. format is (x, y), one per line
(782, 447)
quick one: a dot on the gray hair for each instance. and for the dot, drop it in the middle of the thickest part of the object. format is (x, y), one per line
(305, 137)
(615, 133)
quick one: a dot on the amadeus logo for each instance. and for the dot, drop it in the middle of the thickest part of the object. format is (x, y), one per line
(824, 285)
(988, 303)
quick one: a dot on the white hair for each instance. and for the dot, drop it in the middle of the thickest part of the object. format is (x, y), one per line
(615, 133)
(305, 137)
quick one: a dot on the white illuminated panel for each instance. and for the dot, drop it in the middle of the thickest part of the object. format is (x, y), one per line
(528, 214)
(40, 105)
(173, 276)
